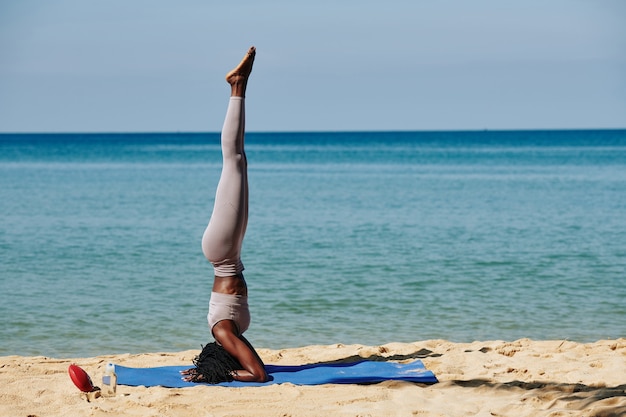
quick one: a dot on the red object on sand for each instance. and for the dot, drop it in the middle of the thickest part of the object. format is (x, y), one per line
(80, 378)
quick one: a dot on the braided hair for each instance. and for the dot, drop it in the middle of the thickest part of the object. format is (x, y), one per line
(214, 365)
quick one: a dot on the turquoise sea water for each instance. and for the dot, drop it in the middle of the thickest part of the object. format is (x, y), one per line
(353, 238)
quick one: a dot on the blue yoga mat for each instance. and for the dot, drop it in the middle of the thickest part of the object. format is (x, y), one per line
(364, 372)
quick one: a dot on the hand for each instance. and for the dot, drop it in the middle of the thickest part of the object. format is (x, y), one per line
(192, 375)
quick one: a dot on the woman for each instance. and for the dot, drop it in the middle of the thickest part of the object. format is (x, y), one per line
(232, 357)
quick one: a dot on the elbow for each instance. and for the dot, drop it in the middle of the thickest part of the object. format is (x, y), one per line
(260, 376)
(250, 375)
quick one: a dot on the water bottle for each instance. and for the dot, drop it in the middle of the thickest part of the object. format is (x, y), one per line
(109, 381)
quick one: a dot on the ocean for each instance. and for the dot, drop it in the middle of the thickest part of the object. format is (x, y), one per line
(353, 237)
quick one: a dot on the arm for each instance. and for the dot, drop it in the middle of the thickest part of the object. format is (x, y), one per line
(225, 333)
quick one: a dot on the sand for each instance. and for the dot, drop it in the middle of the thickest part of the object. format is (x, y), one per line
(495, 378)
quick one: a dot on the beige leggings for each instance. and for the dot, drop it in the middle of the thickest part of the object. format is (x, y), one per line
(223, 237)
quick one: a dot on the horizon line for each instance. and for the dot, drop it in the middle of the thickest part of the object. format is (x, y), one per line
(198, 132)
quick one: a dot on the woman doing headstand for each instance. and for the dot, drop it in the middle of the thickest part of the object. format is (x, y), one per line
(229, 315)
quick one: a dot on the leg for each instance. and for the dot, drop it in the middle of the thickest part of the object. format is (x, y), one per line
(223, 236)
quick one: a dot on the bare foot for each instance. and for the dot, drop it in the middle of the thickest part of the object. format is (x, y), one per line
(238, 77)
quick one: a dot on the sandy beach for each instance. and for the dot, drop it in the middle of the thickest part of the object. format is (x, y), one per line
(494, 378)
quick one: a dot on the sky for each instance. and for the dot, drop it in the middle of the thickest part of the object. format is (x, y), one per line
(321, 65)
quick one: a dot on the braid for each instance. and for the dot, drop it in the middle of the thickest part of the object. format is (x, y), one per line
(215, 365)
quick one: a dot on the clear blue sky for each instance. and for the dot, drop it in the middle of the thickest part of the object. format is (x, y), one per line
(159, 65)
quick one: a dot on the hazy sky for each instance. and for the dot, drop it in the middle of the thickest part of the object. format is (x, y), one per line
(159, 65)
